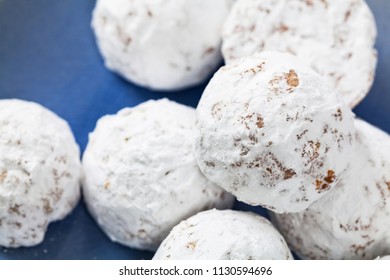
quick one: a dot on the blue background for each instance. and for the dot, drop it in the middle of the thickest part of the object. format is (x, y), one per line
(48, 55)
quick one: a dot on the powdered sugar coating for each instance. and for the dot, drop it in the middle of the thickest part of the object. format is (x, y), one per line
(336, 38)
(352, 221)
(272, 132)
(161, 44)
(224, 235)
(141, 178)
(40, 172)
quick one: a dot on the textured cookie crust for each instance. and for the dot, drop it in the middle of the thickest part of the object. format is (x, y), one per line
(161, 44)
(224, 235)
(336, 38)
(272, 132)
(40, 172)
(352, 221)
(141, 178)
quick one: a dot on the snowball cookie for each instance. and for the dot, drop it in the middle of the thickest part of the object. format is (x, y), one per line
(224, 235)
(273, 133)
(161, 44)
(141, 178)
(352, 221)
(336, 38)
(40, 172)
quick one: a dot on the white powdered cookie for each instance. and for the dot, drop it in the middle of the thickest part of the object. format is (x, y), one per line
(336, 38)
(161, 44)
(352, 221)
(40, 172)
(224, 235)
(273, 133)
(141, 178)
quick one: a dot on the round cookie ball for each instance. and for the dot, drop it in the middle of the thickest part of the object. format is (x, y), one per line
(161, 44)
(40, 172)
(352, 221)
(336, 38)
(141, 178)
(224, 235)
(273, 133)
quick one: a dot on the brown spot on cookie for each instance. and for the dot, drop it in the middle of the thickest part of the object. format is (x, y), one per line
(282, 28)
(12, 241)
(191, 245)
(253, 138)
(126, 40)
(260, 122)
(299, 136)
(47, 207)
(247, 120)
(292, 79)
(237, 142)
(3, 175)
(61, 159)
(244, 150)
(347, 15)
(14, 209)
(382, 194)
(321, 186)
(56, 177)
(339, 78)
(271, 166)
(255, 69)
(359, 249)
(310, 150)
(326, 129)
(56, 194)
(330, 177)
(289, 173)
(237, 164)
(216, 111)
(292, 118)
(309, 2)
(17, 225)
(209, 163)
(275, 81)
(388, 185)
(338, 115)
(208, 51)
(269, 207)
(290, 50)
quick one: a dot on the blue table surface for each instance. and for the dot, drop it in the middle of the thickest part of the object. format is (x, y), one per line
(48, 55)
